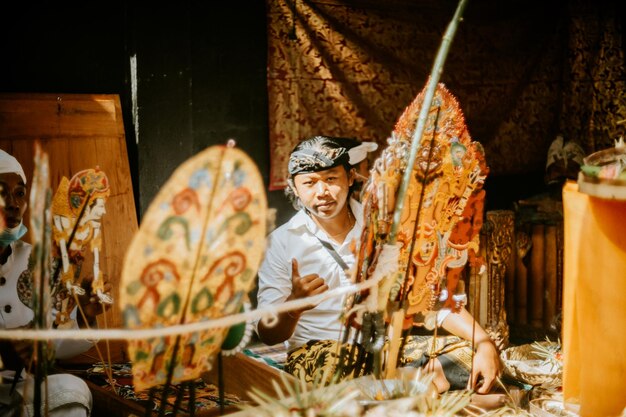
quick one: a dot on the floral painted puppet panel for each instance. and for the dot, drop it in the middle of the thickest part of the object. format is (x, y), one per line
(77, 209)
(450, 171)
(442, 213)
(194, 258)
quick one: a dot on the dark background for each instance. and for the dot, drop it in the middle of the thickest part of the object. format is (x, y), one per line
(201, 70)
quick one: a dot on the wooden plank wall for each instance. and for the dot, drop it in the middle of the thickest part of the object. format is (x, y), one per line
(79, 131)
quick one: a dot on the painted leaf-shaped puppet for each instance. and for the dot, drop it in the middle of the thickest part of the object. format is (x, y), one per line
(194, 258)
(442, 216)
(77, 210)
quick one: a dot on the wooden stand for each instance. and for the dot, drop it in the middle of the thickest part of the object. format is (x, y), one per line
(520, 301)
(538, 271)
(107, 404)
(536, 279)
(242, 372)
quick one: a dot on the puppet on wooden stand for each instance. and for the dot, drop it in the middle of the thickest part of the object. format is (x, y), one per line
(193, 259)
(78, 207)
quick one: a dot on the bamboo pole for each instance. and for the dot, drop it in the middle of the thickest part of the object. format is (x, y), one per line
(396, 343)
(435, 75)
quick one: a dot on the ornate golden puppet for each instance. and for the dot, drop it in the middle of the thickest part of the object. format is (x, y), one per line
(449, 172)
(78, 207)
(464, 234)
(442, 216)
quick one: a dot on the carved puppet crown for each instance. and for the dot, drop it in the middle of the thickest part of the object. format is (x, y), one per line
(71, 194)
(92, 182)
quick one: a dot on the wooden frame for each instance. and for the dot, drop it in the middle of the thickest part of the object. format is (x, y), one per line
(242, 372)
(79, 131)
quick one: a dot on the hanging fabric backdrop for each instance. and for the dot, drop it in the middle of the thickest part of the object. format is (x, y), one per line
(349, 68)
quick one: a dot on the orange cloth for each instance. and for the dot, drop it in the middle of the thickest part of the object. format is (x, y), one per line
(594, 303)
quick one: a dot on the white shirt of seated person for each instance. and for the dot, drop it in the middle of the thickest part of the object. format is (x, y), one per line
(67, 395)
(298, 239)
(320, 180)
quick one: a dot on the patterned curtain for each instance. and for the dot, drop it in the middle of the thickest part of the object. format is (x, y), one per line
(350, 67)
(594, 101)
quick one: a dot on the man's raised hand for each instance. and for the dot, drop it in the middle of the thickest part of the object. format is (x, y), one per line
(305, 286)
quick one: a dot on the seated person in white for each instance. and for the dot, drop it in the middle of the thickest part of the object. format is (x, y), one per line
(67, 395)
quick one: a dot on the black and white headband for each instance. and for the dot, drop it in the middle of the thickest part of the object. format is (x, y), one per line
(309, 160)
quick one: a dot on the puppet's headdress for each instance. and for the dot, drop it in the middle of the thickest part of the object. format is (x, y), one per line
(92, 182)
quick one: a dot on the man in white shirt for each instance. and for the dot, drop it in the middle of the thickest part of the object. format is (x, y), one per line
(309, 254)
(296, 263)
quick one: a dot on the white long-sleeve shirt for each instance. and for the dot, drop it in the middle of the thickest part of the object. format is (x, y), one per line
(14, 288)
(68, 395)
(298, 239)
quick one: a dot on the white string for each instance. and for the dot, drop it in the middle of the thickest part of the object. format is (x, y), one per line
(222, 322)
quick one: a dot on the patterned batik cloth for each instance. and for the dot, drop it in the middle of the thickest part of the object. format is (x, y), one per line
(321, 357)
(316, 361)
(454, 354)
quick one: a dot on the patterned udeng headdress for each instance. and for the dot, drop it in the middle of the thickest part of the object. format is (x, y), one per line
(317, 154)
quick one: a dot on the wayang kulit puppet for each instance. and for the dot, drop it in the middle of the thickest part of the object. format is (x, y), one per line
(194, 258)
(77, 208)
(441, 219)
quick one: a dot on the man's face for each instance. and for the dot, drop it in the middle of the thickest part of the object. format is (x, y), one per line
(15, 194)
(324, 193)
(458, 152)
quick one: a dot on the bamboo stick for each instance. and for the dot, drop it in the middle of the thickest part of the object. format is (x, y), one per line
(435, 75)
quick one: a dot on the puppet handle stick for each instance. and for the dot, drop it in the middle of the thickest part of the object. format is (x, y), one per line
(396, 343)
(435, 74)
